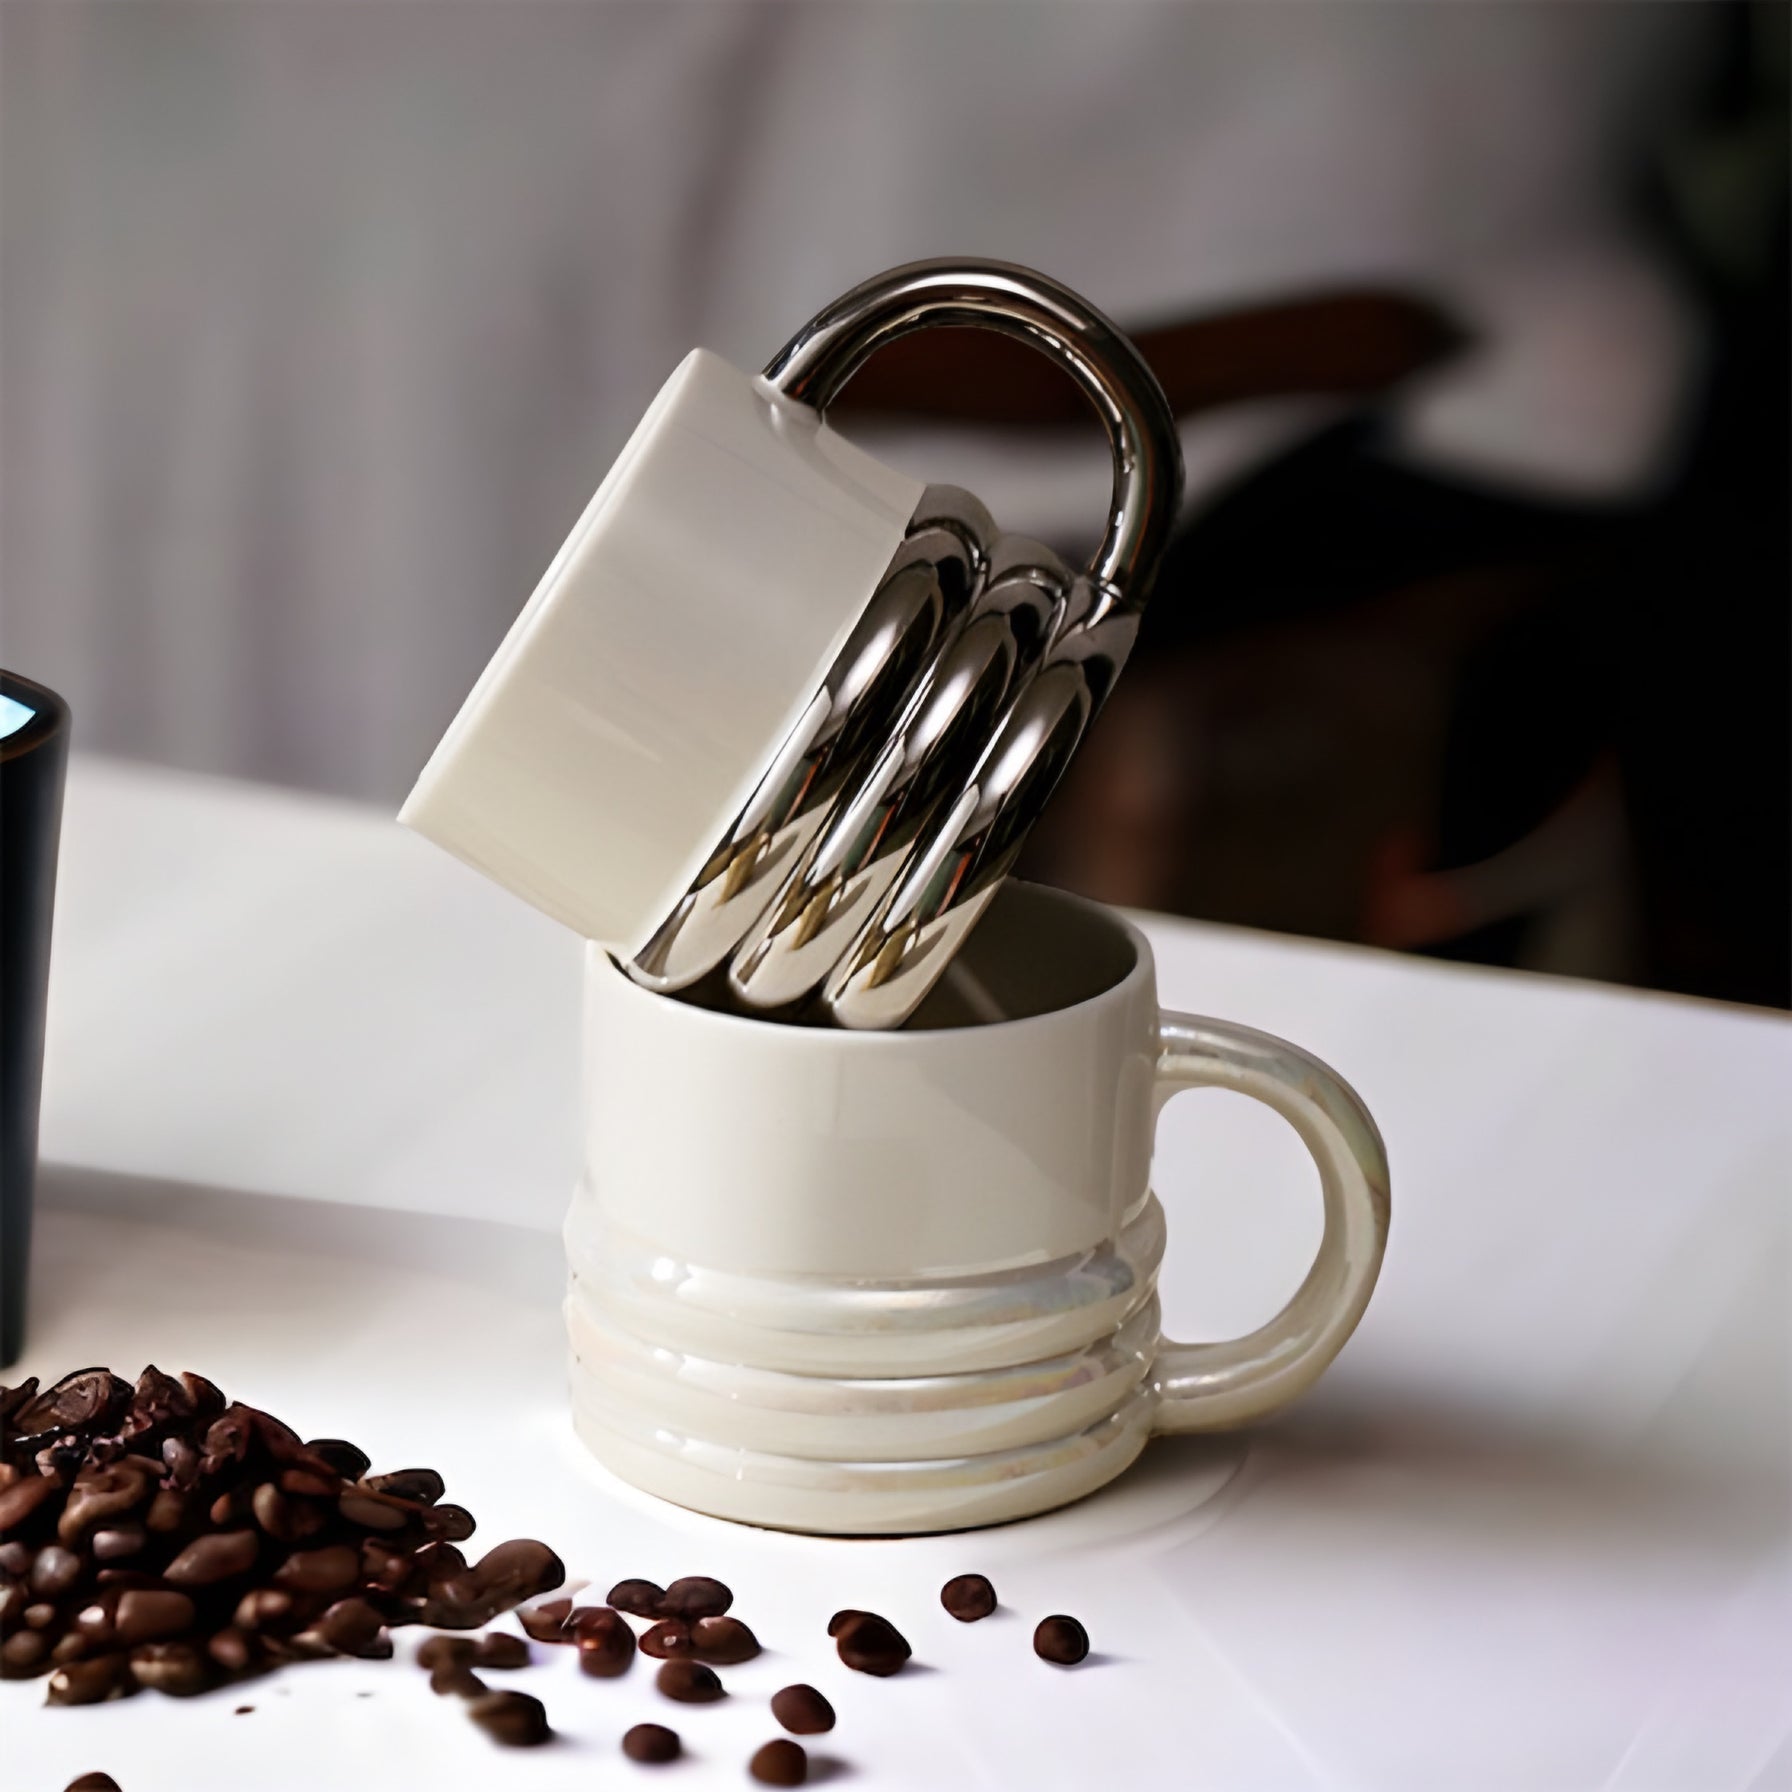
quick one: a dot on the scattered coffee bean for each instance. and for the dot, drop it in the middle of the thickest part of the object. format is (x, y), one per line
(546, 1623)
(780, 1763)
(93, 1782)
(869, 1644)
(457, 1678)
(24, 1652)
(23, 1498)
(513, 1718)
(968, 1597)
(689, 1682)
(208, 1560)
(54, 1570)
(287, 1518)
(231, 1649)
(802, 1710)
(177, 1669)
(351, 1627)
(445, 1651)
(605, 1642)
(372, 1511)
(423, 1485)
(639, 1598)
(839, 1621)
(1060, 1639)
(668, 1640)
(518, 1570)
(40, 1616)
(15, 1557)
(723, 1641)
(242, 1711)
(501, 1650)
(451, 1524)
(118, 1542)
(263, 1607)
(695, 1596)
(651, 1743)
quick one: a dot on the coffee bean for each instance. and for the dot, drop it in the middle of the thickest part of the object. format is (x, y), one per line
(802, 1710)
(451, 1524)
(331, 1569)
(93, 1782)
(689, 1682)
(846, 1615)
(232, 1508)
(352, 1627)
(99, 1494)
(372, 1511)
(458, 1679)
(40, 1616)
(14, 1598)
(171, 1510)
(232, 1649)
(146, 1616)
(723, 1641)
(605, 1642)
(668, 1640)
(286, 1517)
(423, 1485)
(1060, 1639)
(445, 1651)
(23, 1498)
(639, 1598)
(512, 1718)
(695, 1596)
(459, 1602)
(501, 1650)
(263, 1607)
(872, 1645)
(652, 1744)
(73, 1647)
(518, 1570)
(88, 1401)
(24, 1652)
(16, 1557)
(115, 1544)
(780, 1763)
(348, 1461)
(309, 1483)
(176, 1669)
(208, 1560)
(88, 1682)
(547, 1622)
(968, 1597)
(54, 1570)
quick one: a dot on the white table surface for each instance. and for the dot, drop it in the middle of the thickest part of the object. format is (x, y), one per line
(309, 1123)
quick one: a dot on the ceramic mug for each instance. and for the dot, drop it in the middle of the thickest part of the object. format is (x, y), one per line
(873, 1283)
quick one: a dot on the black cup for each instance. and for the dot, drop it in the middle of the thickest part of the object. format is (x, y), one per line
(33, 755)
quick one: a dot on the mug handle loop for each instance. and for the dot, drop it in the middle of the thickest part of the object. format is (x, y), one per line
(1015, 301)
(1209, 1387)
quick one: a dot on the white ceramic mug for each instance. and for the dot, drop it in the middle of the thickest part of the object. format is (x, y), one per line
(872, 1283)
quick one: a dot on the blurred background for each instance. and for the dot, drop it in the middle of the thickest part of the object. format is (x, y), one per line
(320, 322)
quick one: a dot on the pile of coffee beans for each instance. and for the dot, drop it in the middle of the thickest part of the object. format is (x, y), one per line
(157, 1536)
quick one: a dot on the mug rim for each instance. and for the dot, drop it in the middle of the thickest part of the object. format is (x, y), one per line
(1142, 969)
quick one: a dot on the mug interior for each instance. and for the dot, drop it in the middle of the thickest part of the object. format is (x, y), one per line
(1035, 952)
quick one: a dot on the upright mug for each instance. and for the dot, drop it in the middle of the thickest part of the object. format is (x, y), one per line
(887, 1282)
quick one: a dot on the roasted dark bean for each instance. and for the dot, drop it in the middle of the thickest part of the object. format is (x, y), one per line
(93, 1782)
(839, 1621)
(23, 1498)
(54, 1570)
(177, 1669)
(85, 1402)
(723, 1641)
(120, 1541)
(689, 1682)
(331, 1569)
(309, 1484)
(232, 1649)
(968, 1597)
(146, 1615)
(512, 1718)
(651, 1744)
(668, 1640)
(262, 1607)
(501, 1650)
(458, 1679)
(16, 1557)
(547, 1622)
(518, 1570)
(802, 1710)
(695, 1596)
(24, 1652)
(99, 1494)
(87, 1682)
(1061, 1640)
(639, 1598)
(40, 1616)
(780, 1763)
(372, 1512)
(450, 1524)
(423, 1485)
(606, 1644)
(352, 1627)
(872, 1645)
(208, 1560)
(445, 1651)
(348, 1461)
(286, 1517)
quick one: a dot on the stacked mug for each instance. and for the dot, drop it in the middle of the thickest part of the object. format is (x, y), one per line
(865, 1241)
